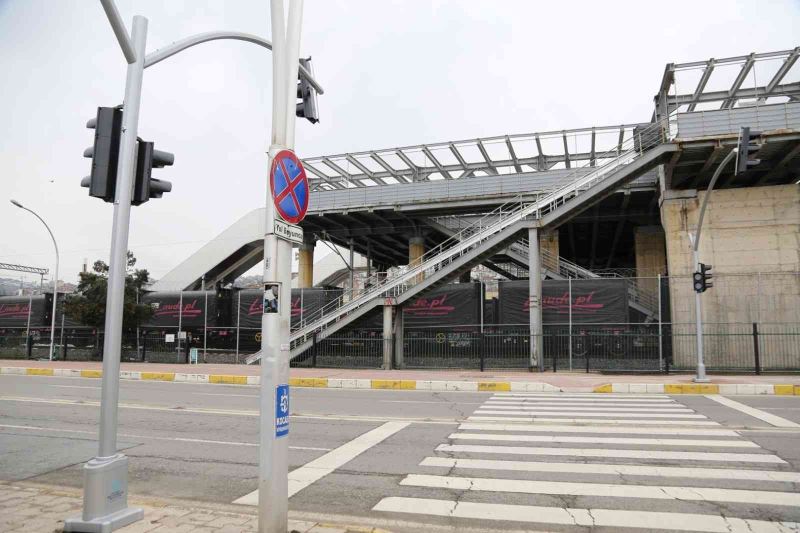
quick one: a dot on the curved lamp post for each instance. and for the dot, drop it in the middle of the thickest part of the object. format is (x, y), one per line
(55, 277)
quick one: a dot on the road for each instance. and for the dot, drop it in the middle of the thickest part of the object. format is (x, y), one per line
(428, 461)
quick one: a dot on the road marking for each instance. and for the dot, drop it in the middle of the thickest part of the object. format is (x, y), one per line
(74, 387)
(752, 411)
(197, 410)
(528, 419)
(592, 399)
(616, 470)
(566, 408)
(483, 411)
(582, 395)
(320, 467)
(585, 429)
(654, 492)
(425, 401)
(616, 519)
(606, 453)
(226, 395)
(526, 403)
(606, 440)
(153, 437)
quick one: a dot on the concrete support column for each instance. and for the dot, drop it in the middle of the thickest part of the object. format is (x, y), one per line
(399, 325)
(548, 242)
(305, 269)
(416, 249)
(536, 361)
(651, 257)
(388, 329)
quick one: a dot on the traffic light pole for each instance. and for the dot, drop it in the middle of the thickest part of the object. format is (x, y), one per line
(105, 487)
(273, 489)
(698, 302)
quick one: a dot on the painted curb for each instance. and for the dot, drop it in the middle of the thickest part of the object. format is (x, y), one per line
(785, 389)
(329, 383)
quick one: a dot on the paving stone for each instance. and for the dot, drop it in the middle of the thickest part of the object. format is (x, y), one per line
(227, 520)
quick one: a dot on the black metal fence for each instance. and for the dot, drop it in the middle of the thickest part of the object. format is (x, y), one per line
(624, 347)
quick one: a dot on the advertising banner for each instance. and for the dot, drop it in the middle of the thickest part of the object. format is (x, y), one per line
(14, 311)
(304, 302)
(594, 301)
(188, 309)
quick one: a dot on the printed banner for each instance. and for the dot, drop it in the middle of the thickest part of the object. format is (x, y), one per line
(172, 308)
(594, 301)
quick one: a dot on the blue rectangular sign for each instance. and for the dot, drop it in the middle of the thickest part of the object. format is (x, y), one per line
(281, 410)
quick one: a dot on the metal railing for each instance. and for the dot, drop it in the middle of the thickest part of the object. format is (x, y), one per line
(443, 255)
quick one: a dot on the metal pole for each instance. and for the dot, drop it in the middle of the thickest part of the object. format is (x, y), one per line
(55, 282)
(352, 271)
(238, 325)
(61, 342)
(105, 499)
(180, 321)
(273, 501)
(205, 317)
(28, 329)
(569, 285)
(660, 337)
(535, 308)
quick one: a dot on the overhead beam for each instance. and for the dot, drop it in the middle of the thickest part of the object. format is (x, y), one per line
(701, 85)
(778, 167)
(566, 151)
(729, 102)
(436, 163)
(782, 71)
(511, 151)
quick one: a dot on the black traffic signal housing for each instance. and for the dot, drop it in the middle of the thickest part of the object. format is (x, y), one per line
(701, 280)
(145, 186)
(747, 148)
(307, 106)
(107, 126)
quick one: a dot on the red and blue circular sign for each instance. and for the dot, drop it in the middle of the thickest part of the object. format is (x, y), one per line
(289, 186)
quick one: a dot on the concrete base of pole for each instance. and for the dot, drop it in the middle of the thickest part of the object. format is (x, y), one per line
(105, 500)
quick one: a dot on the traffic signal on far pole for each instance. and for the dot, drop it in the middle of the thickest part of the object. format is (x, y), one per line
(747, 148)
(307, 106)
(107, 126)
(145, 186)
(701, 280)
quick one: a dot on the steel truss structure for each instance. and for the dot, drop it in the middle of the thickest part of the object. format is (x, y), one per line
(23, 268)
(730, 82)
(487, 156)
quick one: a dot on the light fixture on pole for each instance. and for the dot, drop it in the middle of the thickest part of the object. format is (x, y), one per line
(55, 277)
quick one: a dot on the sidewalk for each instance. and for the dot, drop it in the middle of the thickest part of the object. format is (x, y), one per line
(465, 380)
(34, 508)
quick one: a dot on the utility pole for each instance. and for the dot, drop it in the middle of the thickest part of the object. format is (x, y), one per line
(273, 480)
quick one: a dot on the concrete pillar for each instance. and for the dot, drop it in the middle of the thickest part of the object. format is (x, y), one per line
(399, 325)
(416, 249)
(548, 242)
(305, 269)
(388, 326)
(651, 257)
(536, 361)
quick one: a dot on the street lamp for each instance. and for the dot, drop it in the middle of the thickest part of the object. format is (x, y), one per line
(55, 278)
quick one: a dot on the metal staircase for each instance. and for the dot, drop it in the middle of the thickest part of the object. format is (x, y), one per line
(485, 237)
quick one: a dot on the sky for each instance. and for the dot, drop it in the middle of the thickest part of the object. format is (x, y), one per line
(395, 73)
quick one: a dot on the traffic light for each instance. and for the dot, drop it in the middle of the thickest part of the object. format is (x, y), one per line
(145, 186)
(307, 107)
(702, 278)
(747, 148)
(107, 126)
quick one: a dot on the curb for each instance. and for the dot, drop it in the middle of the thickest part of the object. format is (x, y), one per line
(324, 383)
(785, 389)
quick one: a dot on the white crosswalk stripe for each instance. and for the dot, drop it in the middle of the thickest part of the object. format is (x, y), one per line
(631, 461)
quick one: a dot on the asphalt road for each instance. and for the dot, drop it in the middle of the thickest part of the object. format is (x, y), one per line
(435, 460)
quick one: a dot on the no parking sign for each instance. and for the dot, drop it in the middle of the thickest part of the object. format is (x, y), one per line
(289, 186)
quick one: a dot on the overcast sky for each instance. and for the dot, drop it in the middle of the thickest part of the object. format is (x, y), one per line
(395, 73)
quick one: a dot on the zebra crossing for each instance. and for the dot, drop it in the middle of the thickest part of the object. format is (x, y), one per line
(572, 462)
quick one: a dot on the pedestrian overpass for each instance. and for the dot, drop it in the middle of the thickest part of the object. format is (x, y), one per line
(423, 215)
